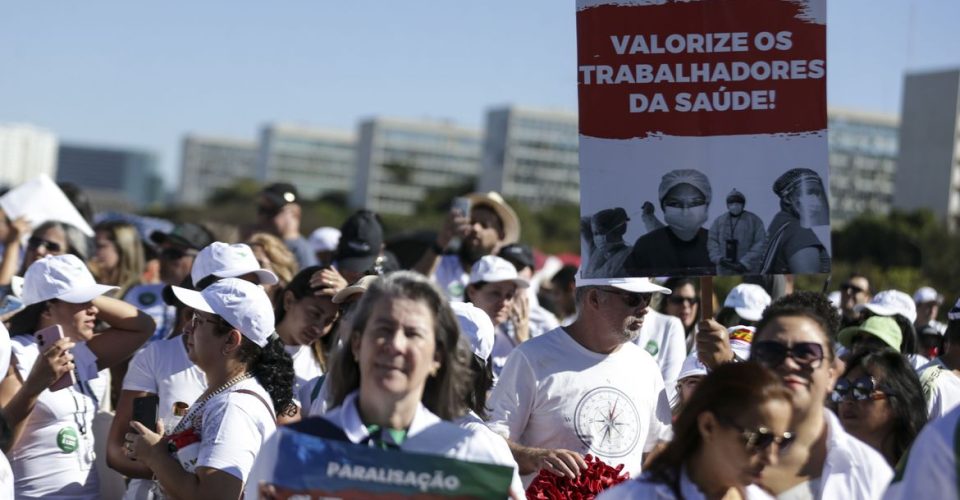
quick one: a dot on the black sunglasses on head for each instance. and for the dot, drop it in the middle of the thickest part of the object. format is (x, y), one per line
(36, 242)
(773, 354)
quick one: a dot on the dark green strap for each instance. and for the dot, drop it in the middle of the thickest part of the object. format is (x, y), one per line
(316, 388)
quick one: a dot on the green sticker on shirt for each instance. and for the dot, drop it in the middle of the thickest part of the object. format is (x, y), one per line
(652, 348)
(67, 440)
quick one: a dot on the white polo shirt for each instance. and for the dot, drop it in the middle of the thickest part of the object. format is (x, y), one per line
(931, 469)
(852, 470)
(663, 337)
(640, 488)
(554, 393)
(941, 389)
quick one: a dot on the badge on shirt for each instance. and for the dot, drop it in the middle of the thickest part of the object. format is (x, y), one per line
(147, 298)
(455, 289)
(652, 348)
(67, 440)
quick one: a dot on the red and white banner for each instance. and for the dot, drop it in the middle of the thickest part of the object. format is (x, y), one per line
(703, 137)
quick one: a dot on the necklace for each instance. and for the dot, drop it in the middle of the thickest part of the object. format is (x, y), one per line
(198, 406)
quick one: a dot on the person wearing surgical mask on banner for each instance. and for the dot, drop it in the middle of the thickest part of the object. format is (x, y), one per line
(737, 238)
(792, 245)
(609, 250)
(680, 246)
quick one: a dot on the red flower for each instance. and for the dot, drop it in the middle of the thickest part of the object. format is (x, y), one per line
(597, 477)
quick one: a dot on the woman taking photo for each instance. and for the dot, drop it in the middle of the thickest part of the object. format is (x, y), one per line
(736, 423)
(52, 451)
(249, 380)
(400, 372)
(880, 402)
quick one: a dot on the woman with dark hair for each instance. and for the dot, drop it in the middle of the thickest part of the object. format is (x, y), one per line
(305, 318)
(52, 450)
(736, 423)
(880, 402)
(249, 382)
(49, 238)
(399, 379)
(683, 303)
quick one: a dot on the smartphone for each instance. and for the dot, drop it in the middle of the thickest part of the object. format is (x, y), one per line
(46, 338)
(145, 411)
(462, 205)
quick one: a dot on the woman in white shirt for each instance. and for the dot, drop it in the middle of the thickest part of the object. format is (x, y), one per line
(400, 378)
(735, 424)
(249, 380)
(53, 450)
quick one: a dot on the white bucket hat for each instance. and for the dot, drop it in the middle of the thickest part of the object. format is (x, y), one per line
(242, 304)
(633, 285)
(228, 261)
(476, 327)
(61, 277)
(890, 302)
(493, 269)
(748, 300)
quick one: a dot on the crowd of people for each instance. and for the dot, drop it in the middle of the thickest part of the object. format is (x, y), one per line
(147, 363)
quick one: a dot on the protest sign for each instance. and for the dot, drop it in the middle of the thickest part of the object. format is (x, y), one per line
(703, 137)
(305, 466)
(40, 200)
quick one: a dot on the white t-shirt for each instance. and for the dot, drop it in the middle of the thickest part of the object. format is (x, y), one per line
(6, 474)
(305, 368)
(554, 393)
(931, 469)
(163, 368)
(640, 488)
(663, 337)
(54, 457)
(427, 434)
(499, 447)
(852, 470)
(941, 389)
(233, 428)
(451, 278)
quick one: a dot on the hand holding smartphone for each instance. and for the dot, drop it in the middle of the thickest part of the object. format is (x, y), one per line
(46, 338)
(145, 411)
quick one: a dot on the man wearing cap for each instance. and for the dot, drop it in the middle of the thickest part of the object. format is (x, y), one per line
(178, 249)
(490, 225)
(278, 213)
(928, 306)
(538, 319)
(744, 305)
(360, 250)
(681, 246)
(737, 238)
(792, 246)
(585, 388)
(608, 250)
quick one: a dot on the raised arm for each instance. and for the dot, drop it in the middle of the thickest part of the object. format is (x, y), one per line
(456, 224)
(11, 250)
(129, 329)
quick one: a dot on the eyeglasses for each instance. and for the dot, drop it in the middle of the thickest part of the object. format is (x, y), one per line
(631, 299)
(196, 321)
(773, 354)
(861, 389)
(678, 300)
(173, 253)
(36, 242)
(762, 438)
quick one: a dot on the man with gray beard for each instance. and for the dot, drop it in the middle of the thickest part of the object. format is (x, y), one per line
(585, 388)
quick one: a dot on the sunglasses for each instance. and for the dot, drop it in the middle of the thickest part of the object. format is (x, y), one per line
(762, 438)
(861, 389)
(173, 253)
(630, 299)
(773, 354)
(36, 242)
(678, 300)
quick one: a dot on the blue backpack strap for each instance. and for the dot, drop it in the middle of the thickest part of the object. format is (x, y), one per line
(320, 427)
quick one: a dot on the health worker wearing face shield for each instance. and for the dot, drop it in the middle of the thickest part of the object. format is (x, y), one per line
(609, 250)
(681, 246)
(792, 246)
(737, 238)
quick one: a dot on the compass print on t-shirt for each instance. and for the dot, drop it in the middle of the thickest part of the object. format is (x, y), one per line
(607, 422)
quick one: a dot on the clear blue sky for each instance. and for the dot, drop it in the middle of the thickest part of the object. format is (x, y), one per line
(141, 75)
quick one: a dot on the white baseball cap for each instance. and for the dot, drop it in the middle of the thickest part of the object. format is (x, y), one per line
(476, 327)
(242, 304)
(633, 285)
(325, 239)
(741, 338)
(927, 294)
(748, 300)
(493, 269)
(228, 261)
(890, 302)
(62, 277)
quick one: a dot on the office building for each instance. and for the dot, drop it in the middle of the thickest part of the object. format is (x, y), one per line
(863, 162)
(318, 162)
(399, 162)
(26, 152)
(114, 178)
(531, 155)
(928, 174)
(211, 163)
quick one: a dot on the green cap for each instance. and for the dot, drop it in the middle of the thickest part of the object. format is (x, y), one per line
(881, 327)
